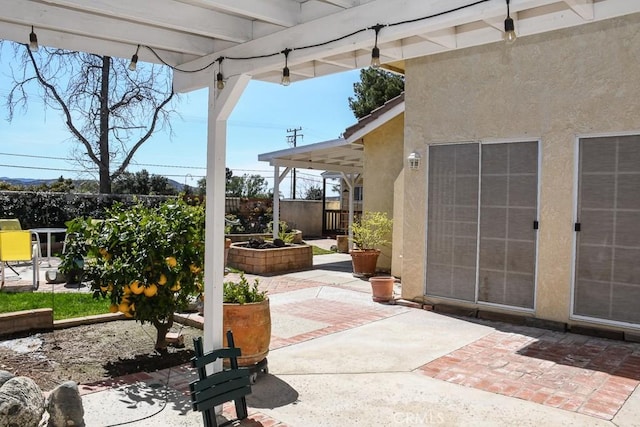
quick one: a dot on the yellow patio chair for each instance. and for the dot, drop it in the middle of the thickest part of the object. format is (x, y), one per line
(12, 224)
(16, 245)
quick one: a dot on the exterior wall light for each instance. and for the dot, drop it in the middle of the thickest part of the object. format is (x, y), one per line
(414, 160)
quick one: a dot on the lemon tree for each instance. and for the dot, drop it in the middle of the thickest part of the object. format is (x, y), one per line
(147, 261)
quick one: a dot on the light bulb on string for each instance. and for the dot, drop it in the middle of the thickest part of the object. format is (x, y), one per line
(134, 60)
(509, 28)
(286, 78)
(33, 41)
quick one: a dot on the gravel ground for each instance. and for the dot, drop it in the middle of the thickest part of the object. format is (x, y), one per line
(90, 353)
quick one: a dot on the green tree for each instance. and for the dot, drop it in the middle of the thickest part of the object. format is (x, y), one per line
(61, 185)
(313, 193)
(109, 111)
(142, 183)
(249, 186)
(147, 261)
(375, 87)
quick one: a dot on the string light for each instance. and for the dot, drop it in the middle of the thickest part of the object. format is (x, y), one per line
(286, 80)
(33, 41)
(134, 60)
(219, 77)
(286, 75)
(509, 28)
(375, 52)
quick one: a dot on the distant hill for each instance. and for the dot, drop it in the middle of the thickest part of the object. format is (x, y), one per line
(32, 182)
(27, 182)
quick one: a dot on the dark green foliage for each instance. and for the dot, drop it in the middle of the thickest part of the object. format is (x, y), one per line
(313, 193)
(142, 183)
(376, 87)
(46, 209)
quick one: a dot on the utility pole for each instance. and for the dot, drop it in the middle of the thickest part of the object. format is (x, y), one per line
(292, 140)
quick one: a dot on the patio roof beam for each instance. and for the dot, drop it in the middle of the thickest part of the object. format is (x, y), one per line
(190, 20)
(584, 8)
(333, 26)
(324, 165)
(280, 12)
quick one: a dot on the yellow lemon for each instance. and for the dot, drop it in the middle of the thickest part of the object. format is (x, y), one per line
(123, 307)
(175, 287)
(113, 308)
(171, 261)
(136, 287)
(151, 290)
(128, 314)
(194, 269)
(104, 288)
(162, 280)
(110, 287)
(126, 290)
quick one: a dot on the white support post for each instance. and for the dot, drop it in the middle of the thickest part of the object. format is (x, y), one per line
(350, 180)
(221, 104)
(277, 179)
(276, 202)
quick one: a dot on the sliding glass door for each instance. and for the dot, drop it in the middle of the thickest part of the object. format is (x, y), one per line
(482, 221)
(607, 270)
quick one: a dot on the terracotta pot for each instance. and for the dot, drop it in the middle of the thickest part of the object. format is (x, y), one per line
(364, 262)
(382, 288)
(251, 327)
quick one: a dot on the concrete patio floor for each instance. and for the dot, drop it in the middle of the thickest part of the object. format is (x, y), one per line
(337, 358)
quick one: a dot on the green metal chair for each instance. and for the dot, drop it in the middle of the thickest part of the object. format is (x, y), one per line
(16, 245)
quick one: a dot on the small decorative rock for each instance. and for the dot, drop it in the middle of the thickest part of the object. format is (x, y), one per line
(64, 405)
(21, 403)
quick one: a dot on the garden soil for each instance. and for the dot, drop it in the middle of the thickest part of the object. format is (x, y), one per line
(91, 353)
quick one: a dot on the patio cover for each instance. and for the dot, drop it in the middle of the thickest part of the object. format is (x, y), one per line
(245, 39)
(344, 155)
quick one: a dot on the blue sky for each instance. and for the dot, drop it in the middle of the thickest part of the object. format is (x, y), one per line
(257, 125)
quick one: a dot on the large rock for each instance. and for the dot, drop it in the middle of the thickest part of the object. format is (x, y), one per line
(21, 403)
(64, 405)
(5, 376)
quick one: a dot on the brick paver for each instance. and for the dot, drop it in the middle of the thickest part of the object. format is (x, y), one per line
(587, 375)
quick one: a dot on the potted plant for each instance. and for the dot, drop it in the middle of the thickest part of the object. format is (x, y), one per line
(246, 313)
(370, 233)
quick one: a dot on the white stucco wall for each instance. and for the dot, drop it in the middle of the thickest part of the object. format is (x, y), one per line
(553, 87)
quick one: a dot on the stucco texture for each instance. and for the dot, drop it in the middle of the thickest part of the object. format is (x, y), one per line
(383, 162)
(551, 87)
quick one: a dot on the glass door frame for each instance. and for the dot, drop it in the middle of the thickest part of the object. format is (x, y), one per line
(480, 143)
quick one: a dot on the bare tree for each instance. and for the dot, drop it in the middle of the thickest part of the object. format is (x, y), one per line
(109, 110)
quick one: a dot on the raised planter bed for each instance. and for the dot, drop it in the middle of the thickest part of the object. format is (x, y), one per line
(245, 237)
(270, 261)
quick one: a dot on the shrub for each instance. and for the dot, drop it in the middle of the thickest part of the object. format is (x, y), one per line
(372, 230)
(242, 292)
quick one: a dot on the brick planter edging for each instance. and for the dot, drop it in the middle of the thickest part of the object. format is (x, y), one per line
(269, 261)
(40, 319)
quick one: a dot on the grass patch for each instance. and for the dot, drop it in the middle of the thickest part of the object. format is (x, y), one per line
(317, 250)
(65, 305)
